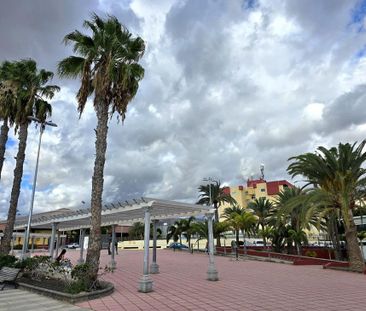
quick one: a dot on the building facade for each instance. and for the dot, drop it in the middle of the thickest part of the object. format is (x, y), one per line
(255, 189)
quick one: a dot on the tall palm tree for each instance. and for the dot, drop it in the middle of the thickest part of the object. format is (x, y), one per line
(339, 172)
(107, 64)
(8, 90)
(215, 194)
(262, 208)
(31, 100)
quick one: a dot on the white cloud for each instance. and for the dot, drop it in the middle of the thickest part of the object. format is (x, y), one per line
(225, 89)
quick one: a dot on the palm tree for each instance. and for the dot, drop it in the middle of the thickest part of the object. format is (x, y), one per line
(240, 220)
(262, 208)
(136, 231)
(180, 227)
(200, 228)
(107, 64)
(298, 236)
(338, 172)
(187, 229)
(30, 100)
(214, 193)
(247, 223)
(173, 233)
(8, 97)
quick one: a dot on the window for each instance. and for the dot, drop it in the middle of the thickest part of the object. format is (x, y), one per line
(253, 196)
(263, 190)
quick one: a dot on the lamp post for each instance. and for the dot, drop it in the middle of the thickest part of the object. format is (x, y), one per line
(209, 189)
(41, 130)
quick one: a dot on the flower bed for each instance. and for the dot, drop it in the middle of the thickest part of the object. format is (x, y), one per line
(59, 279)
(58, 290)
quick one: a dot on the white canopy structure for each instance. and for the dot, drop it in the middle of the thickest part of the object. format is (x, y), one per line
(143, 210)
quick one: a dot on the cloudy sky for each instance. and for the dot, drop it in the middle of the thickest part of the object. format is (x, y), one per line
(228, 85)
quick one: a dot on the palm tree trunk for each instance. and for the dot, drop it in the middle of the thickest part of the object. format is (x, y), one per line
(264, 237)
(356, 261)
(93, 254)
(245, 246)
(3, 139)
(334, 236)
(15, 191)
(298, 248)
(237, 244)
(218, 242)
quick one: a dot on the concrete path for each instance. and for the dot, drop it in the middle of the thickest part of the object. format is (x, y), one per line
(21, 300)
(243, 285)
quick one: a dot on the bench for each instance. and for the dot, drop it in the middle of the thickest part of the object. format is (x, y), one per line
(8, 276)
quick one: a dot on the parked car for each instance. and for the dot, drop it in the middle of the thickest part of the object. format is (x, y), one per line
(72, 245)
(176, 245)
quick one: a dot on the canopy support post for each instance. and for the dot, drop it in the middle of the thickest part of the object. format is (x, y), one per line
(145, 283)
(154, 267)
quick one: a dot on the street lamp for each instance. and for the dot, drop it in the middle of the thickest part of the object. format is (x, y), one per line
(41, 130)
(209, 189)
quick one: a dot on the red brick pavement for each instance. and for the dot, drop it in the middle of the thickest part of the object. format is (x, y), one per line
(243, 285)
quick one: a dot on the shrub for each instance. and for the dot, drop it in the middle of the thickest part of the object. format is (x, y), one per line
(7, 260)
(80, 271)
(76, 287)
(311, 253)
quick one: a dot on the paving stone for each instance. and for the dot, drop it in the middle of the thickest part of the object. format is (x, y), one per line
(243, 285)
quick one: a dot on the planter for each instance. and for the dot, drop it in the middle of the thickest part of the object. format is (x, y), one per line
(107, 289)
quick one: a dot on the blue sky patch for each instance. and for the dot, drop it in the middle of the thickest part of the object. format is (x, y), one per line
(250, 4)
(358, 14)
(10, 142)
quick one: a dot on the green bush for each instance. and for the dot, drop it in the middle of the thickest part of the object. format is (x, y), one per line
(80, 271)
(311, 253)
(31, 263)
(76, 287)
(7, 260)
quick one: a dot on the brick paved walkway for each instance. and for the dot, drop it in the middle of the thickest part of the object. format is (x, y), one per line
(243, 285)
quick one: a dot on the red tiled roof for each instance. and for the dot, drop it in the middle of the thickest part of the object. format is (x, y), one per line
(253, 183)
(273, 187)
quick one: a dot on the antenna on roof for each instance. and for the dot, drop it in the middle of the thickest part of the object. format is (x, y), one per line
(262, 171)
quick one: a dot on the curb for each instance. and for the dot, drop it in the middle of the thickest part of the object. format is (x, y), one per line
(71, 298)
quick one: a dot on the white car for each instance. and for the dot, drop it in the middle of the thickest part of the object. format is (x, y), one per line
(72, 245)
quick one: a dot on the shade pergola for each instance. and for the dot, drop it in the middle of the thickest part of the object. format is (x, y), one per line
(126, 213)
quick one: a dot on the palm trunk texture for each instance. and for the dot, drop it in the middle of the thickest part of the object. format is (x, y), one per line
(334, 236)
(93, 254)
(356, 262)
(15, 191)
(3, 139)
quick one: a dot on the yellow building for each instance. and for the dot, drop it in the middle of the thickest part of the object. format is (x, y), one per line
(255, 189)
